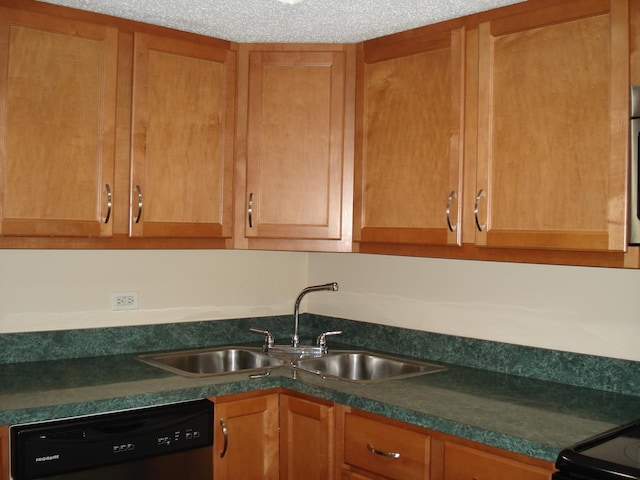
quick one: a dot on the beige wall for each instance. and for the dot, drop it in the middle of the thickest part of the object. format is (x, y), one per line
(578, 309)
(50, 290)
(586, 310)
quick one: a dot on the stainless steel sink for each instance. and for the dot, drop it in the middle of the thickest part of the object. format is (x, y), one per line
(212, 361)
(365, 367)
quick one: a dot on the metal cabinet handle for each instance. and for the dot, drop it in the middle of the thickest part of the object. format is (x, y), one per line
(480, 226)
(225, 436)
(139, 193)
(452, 196)
(250, 210)
(381, 453)
(107, 190)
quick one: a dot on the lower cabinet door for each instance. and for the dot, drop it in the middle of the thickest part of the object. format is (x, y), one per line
(466, 463)
(245, 444)
(306, 439)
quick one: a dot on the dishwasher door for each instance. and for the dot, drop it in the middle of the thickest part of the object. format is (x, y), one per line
(156, 443)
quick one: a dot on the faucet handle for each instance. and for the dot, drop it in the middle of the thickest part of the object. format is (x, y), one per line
(322, 339)
(268, 338)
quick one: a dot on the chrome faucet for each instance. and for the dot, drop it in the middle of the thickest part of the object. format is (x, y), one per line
(331, 287)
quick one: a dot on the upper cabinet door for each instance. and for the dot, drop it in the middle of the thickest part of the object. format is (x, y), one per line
(296, 145)
(183, 117)
(57, 120)
(553, 103)
(409, 152)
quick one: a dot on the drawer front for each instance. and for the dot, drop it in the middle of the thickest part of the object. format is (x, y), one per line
(385, 449)
(464, 463)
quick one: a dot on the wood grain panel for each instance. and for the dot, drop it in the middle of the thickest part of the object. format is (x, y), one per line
(296, 144)
(410, 154)
(306, 439)
(465, 463)
(252, 436)
(552, 160)
(182, 156)
(58, 120)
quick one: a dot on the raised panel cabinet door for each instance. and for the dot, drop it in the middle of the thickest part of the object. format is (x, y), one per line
(246, 439)
(465, 463)
(552, 128)
(295, 146)
(183, 116)
(57, 125)
(306, 439)
(409, 157)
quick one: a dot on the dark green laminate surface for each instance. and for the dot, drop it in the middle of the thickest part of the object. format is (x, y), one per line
(600, 373)
(525, 415)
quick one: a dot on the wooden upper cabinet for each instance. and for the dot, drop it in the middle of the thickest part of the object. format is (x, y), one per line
(183, 127)
(299, 155)
(57, 120)
(409, 154)
(552, 128)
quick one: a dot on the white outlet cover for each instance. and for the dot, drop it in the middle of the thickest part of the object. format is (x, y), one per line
(124, 300)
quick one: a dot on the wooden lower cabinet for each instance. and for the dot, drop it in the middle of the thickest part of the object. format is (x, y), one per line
(377, 448)
(4, 453)
(306, 439)
(468, 463)
(245, 440)
(373, 447)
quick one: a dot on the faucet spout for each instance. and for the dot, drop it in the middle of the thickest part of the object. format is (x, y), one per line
(330, 287)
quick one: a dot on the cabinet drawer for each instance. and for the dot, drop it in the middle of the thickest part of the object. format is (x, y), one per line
(385, 449)
(465, 463)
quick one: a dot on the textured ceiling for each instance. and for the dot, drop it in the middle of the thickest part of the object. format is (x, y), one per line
(311, 21)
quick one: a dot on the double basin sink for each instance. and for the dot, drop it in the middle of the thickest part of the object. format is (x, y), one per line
(352, 366)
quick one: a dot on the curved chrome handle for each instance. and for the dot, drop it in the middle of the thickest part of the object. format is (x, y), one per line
(107, 189)
(381, 453)
(452, 196)
(225, 436)
(139, 193)
(480, 226)
(250, 210)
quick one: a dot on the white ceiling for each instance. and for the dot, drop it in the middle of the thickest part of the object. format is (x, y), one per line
(311, 21)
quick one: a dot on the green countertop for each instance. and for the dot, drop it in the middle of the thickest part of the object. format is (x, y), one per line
(525, 415)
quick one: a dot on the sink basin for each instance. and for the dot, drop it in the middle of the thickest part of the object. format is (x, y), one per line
(365, 367)
(216, 361)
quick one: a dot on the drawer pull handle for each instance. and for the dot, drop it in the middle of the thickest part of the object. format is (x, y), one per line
(381, 453)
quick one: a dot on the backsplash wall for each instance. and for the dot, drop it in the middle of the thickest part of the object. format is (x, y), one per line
(58, 290)
(577, 309)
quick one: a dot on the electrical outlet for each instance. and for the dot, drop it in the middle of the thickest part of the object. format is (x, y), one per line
(124, 300)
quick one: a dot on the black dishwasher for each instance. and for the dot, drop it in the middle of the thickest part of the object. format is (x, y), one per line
(160, 443)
